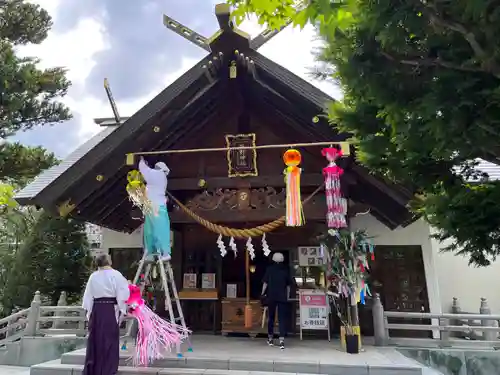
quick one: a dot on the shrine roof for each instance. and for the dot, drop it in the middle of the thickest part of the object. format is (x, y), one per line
(92, 178)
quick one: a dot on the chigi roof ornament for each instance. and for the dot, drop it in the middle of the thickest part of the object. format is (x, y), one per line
(226, 25)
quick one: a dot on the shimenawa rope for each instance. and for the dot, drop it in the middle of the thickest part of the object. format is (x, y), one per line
(234, 232)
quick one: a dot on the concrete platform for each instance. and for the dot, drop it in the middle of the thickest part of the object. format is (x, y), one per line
(216, 355)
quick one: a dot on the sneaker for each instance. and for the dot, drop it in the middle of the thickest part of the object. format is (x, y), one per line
(282, 345)
(270, 342)
(165, 258)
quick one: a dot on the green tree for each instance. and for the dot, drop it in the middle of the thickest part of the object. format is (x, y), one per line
(421, 99)
(53, 257)
(20, 164)
(28, 94)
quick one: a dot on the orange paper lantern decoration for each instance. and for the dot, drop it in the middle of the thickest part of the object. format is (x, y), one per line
(294, 211)
(292, 158)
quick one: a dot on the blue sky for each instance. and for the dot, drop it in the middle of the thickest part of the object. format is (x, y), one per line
(126, 42)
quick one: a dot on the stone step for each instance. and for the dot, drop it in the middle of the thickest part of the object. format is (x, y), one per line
(195, 365)
(56, 368)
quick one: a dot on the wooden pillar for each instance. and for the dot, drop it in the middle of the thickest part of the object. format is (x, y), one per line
(248, 307)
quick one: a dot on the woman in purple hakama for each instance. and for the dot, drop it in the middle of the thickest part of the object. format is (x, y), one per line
(104, 301)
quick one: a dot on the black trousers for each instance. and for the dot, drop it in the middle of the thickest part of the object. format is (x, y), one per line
(282, 308)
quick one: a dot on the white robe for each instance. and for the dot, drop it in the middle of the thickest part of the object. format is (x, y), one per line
(106, 283)
(156, 184)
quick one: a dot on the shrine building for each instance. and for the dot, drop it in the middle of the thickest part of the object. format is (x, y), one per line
(236, 96)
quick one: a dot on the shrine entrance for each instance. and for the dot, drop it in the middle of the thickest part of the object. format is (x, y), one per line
(219, 306)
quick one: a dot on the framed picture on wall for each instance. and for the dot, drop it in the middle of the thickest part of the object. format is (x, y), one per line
(231, 291)
(208, 281)
(189, 281)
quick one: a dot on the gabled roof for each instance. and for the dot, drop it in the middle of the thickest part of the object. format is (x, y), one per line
(44, 179)
(92, 178)
(99, 147)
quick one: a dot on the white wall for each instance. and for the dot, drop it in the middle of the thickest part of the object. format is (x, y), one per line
(457, 279)
(111, 239)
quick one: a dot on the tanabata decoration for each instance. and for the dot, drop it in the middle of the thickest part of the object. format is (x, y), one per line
(294, 210)
(136, 191)
(155, 335)
(347, 255)
(336, 204)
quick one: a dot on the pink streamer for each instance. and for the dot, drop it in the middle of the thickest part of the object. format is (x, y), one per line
(156, 336)
(336, 205)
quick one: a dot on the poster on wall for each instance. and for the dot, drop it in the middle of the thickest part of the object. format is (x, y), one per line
(314, 310)
(208, 281)
(231, 291)
(310, 256)
(189, 281)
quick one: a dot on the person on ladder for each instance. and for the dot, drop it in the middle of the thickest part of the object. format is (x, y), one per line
(157, 223)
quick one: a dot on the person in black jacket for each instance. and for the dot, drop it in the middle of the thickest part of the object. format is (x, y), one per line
(276, 291)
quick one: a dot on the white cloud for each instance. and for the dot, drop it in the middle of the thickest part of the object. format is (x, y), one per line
(75, 50)
(293, 49)
(95, 108)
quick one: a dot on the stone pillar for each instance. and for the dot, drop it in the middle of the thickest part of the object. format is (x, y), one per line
(485, 310)
(61, 302)
(379, 331)
(33, 315)
(456, 309)
(444, 335)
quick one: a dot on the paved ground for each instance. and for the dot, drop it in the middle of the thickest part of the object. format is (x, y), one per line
(239, 348)
(12, 370)
(306, 351)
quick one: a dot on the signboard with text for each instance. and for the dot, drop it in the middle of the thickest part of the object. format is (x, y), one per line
(314, 310)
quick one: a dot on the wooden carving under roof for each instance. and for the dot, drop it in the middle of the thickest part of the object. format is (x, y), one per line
(241, 163)
(228, 199)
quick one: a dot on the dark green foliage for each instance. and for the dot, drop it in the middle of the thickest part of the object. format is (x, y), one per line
(28, 94)
(421, 82)
(20, 164)
(54, 258)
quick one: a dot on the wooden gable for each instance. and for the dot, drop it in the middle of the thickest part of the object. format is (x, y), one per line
(197, 111)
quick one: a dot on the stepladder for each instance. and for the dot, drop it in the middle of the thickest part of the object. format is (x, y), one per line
(173, 306)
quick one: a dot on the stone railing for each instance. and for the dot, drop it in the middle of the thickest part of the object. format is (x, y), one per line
(456, 309)
(443, 324)
(13, 326)
(38, 320)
